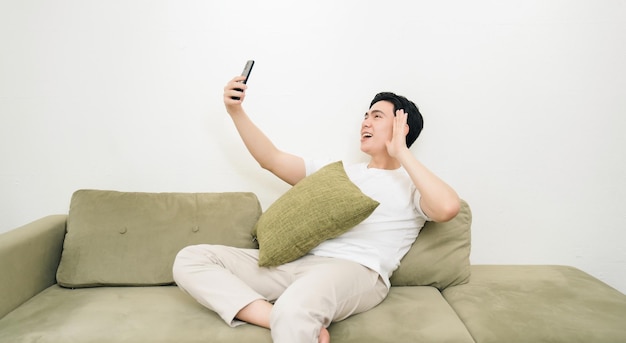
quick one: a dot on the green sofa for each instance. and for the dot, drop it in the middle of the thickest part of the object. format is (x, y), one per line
(102, 273)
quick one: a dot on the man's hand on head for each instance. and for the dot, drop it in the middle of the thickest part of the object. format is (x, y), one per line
(397, 144)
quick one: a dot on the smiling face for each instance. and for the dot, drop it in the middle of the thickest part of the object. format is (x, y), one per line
(377, 128)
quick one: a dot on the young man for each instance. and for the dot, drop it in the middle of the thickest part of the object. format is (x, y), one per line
(341, 276)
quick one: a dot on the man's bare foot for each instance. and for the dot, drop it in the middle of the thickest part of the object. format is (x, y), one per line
(324, 336)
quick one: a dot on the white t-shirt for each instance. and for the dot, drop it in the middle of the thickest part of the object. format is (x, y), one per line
(382, 239)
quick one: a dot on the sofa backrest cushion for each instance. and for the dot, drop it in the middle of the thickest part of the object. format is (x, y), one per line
(131, 239)
(439, 256)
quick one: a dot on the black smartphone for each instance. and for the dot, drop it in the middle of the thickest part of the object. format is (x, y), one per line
(246, 72)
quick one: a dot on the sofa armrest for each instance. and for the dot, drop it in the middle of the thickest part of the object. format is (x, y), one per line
(29, 257)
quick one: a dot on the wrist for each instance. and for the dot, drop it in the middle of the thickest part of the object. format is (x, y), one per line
(235, 111)
(405, 156)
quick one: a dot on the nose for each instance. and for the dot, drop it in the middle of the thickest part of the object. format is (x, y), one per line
(366, 123)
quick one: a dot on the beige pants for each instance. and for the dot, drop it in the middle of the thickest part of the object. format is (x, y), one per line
(308, 293)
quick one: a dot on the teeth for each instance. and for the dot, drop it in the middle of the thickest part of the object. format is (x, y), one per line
(367, 135)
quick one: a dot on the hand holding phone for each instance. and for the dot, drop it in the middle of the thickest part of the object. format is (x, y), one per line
(246, 72)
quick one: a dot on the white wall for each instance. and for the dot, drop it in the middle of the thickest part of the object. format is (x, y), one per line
(524, 105)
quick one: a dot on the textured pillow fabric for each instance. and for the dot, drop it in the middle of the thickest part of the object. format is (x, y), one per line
(131, 239)
(321, 206)
(439, 256)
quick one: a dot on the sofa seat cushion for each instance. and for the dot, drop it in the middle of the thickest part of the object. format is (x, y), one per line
(408, 314)
(166, 314)
(120, 314)
(538, 304)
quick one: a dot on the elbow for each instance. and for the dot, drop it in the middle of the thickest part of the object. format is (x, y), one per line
(265, 165)
(268, 162)
(447, 211)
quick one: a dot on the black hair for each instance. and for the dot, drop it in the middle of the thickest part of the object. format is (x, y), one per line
(414, 117)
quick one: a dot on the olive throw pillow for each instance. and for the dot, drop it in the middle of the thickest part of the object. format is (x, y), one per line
(321, 206)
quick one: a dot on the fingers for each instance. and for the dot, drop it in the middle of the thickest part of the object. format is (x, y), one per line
(234, 91)
(400, 121)
(401, 115)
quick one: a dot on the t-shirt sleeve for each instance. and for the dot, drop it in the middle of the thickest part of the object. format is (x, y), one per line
(313, 165)
(416, 203)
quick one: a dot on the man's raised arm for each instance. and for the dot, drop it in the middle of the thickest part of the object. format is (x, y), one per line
(289, 168)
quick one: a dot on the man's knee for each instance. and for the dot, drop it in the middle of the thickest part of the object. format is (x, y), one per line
(193, 258)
